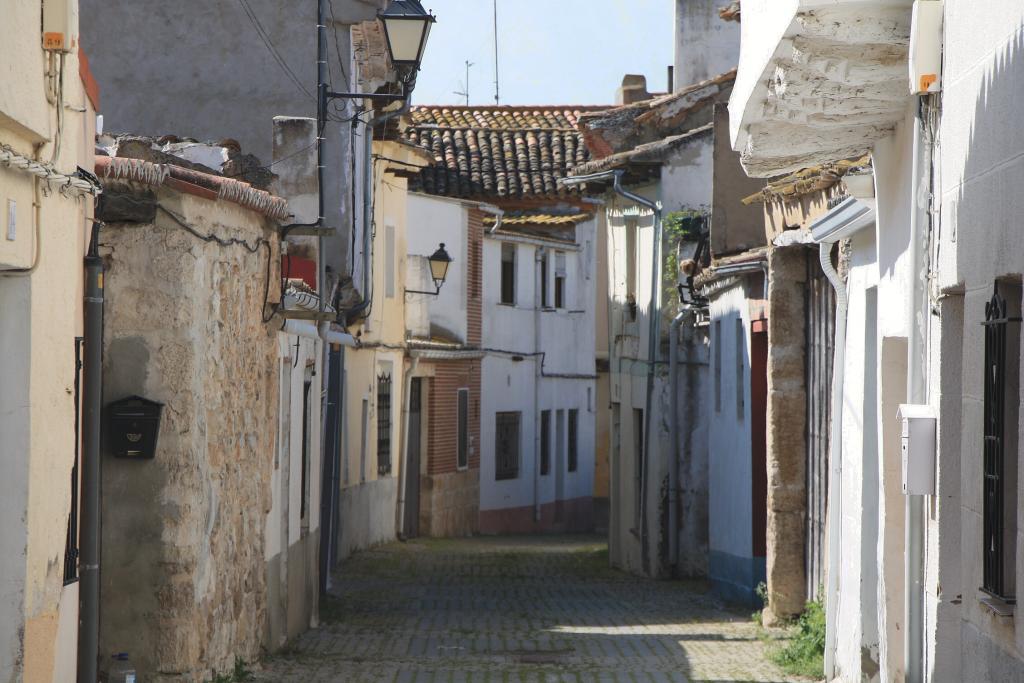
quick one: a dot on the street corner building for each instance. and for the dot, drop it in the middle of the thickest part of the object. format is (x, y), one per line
(523, 311)
(190, 543)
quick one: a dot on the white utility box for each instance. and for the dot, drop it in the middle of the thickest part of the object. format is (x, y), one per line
(926, 47)
(918, 448)
(60, 25)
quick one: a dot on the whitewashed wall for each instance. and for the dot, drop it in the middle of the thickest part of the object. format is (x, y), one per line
(730, 562)
(433, 220)
(566, 338)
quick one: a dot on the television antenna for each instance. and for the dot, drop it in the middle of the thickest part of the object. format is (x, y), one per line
(465, 87)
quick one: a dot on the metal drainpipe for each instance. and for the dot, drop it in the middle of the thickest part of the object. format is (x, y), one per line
(539, 254)
(654, 331)
(835, 457)
(913, 646)
(92, 399)
(403, 470)
(673, 470)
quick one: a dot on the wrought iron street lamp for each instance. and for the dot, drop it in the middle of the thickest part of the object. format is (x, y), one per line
(406, 29)
(439, 262)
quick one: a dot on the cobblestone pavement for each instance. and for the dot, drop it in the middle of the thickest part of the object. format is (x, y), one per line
(516, 609)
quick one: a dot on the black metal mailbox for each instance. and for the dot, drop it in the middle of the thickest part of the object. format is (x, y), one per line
(133, 425)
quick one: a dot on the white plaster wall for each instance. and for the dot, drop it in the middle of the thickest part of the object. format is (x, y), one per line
(566, 339)
(686, 178)
(431, 221)
(729, 467)
(980, 173)
(706, 45)
(40, 316)
(764, 24)
(297, 359)
(857, 578)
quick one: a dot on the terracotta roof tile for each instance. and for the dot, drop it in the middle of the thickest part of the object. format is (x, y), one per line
(498, 152)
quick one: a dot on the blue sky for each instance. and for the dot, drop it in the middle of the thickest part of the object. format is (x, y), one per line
(551, 51)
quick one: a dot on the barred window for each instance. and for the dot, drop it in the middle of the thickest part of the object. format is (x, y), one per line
(1002, 400)
(506, 445)
(384, 423)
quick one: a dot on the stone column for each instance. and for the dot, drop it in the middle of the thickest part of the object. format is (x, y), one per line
(786, 425)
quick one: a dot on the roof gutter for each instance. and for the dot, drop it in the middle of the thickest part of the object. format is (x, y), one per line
(499, 215)
(842, 222)
(654, 322)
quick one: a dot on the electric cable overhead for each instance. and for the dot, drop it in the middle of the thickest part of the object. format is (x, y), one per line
(265, 38)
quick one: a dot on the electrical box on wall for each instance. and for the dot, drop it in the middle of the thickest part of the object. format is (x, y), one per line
(60, 25)
(926, 47)
(918, 449)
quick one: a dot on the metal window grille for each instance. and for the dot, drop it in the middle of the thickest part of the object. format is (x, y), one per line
(997, 322)
(545, 442)
(71, 545)
(573, 455)
(506, 446)
(384, 423)
(463, 434)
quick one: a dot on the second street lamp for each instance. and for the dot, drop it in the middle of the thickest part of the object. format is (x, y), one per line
(439, 262)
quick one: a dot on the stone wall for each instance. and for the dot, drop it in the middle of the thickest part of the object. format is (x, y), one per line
(183, 575)
(450, 504)
(787, 274)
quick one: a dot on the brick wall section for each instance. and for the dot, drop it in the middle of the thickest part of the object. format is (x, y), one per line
(474, 294)
(443, 407)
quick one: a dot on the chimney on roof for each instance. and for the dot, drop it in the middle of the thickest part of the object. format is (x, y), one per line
(633, 89)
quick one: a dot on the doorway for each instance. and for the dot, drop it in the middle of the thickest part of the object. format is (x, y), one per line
(759, 444)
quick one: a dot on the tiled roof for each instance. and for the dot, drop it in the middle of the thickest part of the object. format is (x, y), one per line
(498, 152)
(808, 180)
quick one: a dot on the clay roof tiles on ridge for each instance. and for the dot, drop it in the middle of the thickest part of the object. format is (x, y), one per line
(498, 152)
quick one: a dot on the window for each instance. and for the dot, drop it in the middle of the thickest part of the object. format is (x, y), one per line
(508, 274)
(506, 446)
(741, 359)
(574, 418)
(999, 480)
(463, 454)
(560, 279)
(545, 442)
(717, 341)
(543, 279)
(389, 261)
(384, 422)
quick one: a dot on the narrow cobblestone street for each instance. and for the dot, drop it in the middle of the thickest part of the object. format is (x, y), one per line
(517, 609)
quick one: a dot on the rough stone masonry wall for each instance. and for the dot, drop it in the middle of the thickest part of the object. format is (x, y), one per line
(787, 275)
(183, 581)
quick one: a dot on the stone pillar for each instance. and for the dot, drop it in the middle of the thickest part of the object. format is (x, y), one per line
(786, 427)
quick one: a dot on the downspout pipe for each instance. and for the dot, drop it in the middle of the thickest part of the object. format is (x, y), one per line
(842, 222)
(403, 472)
(654, 322)
(499, 215)
(92, 399)
(673, 469)
(835, 457)
(540, 255)
(913, 645)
